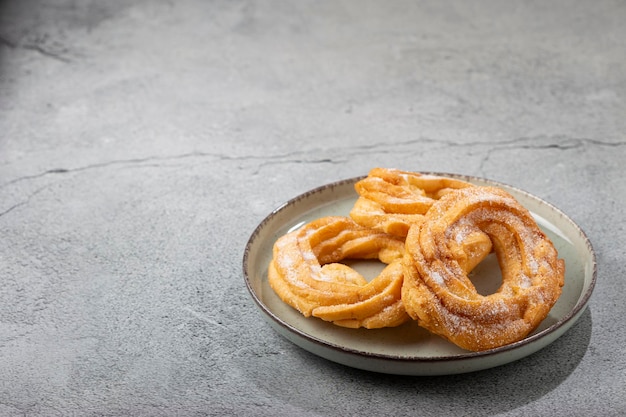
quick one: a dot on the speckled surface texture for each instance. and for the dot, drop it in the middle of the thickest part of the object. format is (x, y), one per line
(141, 142)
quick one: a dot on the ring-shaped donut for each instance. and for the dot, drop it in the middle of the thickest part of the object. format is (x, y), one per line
(391, 200)
(306, 274)
(437, 291)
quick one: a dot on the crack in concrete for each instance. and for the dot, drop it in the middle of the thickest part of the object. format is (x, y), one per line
(384, 147)
(296, 156)
(567, 144)
(36, 47)
(266, 160)
(281, 160)
(103, 164)
(23, 202)
(57, 171)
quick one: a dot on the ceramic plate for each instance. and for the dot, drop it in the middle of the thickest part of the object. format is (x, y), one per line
(408, 349)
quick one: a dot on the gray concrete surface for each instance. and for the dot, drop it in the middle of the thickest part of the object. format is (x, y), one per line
(141, 142)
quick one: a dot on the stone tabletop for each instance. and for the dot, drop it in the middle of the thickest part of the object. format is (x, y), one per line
(141, 143)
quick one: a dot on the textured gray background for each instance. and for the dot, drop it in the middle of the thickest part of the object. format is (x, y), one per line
(141, 142)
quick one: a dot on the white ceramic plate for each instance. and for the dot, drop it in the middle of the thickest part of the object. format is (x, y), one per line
(408, 349)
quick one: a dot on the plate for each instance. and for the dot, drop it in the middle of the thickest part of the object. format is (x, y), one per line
(409, 349)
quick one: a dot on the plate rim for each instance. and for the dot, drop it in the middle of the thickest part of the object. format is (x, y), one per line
(573, 314)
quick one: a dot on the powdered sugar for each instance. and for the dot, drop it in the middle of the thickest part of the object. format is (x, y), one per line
(436, 276)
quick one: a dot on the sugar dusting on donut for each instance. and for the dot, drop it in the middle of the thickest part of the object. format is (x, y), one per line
(431, 231)
(532, 275)
(305, 275)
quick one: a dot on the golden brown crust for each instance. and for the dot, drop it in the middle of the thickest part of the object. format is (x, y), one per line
(437, 291)
(391, 200)
(305, 274)
(431, 232)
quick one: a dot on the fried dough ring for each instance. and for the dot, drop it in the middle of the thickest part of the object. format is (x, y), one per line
(305, 273)
(391, 200)
(439, 295)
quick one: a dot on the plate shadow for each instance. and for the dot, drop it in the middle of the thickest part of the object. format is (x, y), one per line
(334, 389)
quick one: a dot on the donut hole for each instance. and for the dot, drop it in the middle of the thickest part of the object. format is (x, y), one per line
(487, 275)
(369, 268)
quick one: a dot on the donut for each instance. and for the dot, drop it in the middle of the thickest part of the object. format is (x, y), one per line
(391, 200)
(306, 273)
(437, 291)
